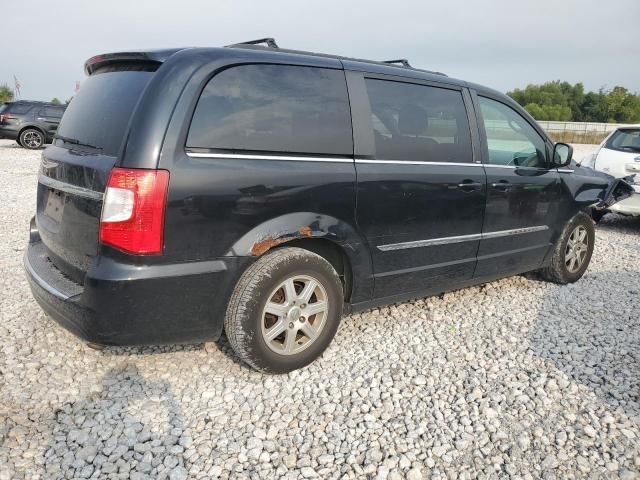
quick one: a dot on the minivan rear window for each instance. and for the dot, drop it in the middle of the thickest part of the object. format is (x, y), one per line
(100, 112)
(275, 108)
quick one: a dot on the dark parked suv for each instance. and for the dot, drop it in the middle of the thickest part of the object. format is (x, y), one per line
(267, 192)
(31, 124)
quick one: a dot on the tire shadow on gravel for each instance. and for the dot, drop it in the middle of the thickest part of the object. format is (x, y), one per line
(591, 331)
(151, 349)
(132, 428)
(222, 345)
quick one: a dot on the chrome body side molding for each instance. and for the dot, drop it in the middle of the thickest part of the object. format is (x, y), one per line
(461, 238)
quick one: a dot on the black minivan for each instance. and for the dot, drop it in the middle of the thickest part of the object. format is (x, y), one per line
(266, 192)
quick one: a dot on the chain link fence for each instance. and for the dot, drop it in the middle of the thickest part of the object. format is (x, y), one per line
(579, 132)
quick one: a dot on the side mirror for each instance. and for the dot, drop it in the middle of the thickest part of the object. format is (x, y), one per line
(562, 155)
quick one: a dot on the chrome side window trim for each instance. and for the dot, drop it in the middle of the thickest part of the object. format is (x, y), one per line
(461, 238)
(269, 157)
(565, 171)
(495, 165)
(413, 162)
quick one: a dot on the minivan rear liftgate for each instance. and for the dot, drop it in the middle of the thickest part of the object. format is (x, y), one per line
(75, 170)
(78, 183)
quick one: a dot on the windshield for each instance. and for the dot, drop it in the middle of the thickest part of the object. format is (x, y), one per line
(99, 114)
(627, 140)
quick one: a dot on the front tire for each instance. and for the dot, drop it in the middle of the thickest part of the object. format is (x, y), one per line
(284, 311)
(572, 253)
(31, 138)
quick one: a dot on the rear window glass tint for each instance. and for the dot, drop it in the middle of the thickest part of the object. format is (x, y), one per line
(19, 108)
(418, 122)
(274, 108)
(100, 112)
(625, 140)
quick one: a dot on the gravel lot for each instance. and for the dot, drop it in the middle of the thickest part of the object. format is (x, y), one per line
(518, 378)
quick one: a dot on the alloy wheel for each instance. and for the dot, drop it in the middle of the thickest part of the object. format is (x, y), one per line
(294, 315)
(576, 249)
(32, 139)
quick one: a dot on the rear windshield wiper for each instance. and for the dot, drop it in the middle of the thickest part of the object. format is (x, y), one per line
(75, 141)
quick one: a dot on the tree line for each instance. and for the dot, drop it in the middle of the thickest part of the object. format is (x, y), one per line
(565, 102)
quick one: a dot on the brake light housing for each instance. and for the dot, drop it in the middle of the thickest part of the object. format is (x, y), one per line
(133, 210)
(5, 116)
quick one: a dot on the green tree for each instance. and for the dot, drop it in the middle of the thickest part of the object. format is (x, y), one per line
(536, 111)
(562, 101)
(56, 101)
(6, 94)
(622, 106)
(594, 107)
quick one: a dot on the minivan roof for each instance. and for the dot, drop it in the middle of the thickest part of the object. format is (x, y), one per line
(157, 57)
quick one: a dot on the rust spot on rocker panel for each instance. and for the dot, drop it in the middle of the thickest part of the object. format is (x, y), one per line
(265, 244)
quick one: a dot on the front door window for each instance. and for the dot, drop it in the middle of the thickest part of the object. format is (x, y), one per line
(511, 140)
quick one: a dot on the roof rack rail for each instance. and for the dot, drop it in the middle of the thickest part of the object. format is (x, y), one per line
(268, 41)
(402, 61)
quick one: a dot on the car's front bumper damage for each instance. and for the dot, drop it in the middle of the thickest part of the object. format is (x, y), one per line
(597, 190)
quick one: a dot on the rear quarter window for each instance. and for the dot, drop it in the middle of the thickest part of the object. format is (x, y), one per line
(274, 108)
(19, 108)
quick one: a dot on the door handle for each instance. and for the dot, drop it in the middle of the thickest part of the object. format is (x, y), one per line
(502, 185)
(469, 186)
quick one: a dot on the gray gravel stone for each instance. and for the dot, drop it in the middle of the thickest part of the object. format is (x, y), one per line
(517, 378)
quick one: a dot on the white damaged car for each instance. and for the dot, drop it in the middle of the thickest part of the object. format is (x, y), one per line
(619, 156)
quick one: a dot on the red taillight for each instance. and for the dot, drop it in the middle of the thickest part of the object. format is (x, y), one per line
(5, 116)
(133, 210)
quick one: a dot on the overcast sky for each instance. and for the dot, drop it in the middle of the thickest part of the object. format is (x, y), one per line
(500, 43)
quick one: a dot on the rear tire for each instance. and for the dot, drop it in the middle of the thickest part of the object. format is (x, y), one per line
(31, 138)
(572, 253)
(284, 310)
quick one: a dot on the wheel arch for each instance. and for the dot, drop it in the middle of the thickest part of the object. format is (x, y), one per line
(335, 240)
(332, 253)
(33, 127)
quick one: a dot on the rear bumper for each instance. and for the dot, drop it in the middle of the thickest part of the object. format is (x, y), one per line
(10, 133)
(128, 305)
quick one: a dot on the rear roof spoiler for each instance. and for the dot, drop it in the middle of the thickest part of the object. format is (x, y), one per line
(152, 58)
